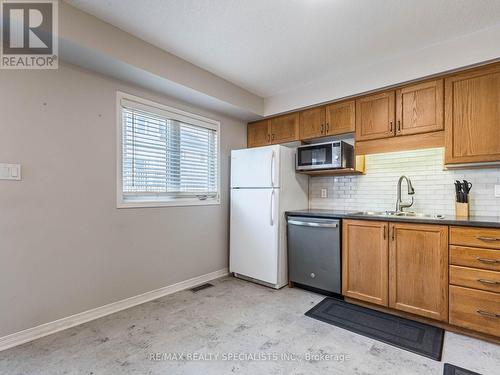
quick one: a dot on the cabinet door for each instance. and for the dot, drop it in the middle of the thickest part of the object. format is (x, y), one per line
(419, 108)
(312, 123)
(375, 116)
(340, 118)
(418, 269)
(285, 128)
(472, 116)
(258, 134)
(365, 260)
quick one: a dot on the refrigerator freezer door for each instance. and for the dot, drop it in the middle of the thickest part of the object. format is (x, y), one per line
(255, 167)
(254, 233)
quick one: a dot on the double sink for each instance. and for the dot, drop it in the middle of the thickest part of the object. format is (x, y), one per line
(408, 214)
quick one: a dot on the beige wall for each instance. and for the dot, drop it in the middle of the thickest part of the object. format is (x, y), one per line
(64, 246)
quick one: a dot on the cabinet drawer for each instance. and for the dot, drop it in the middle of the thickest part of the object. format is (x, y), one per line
(479, 237)
(475, 278)
(475, 309)
(486, 259)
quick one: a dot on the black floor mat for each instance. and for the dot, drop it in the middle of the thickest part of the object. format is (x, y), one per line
(406, 334)
(454, 370)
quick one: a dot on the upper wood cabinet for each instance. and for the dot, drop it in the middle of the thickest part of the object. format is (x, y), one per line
(259, 133)
(340, 118)
(312, 123)
(460, 112)
(277, 130)
(333, 119)
(418, 269)
(472, 116)
(375, 116)
(285, 128)
(364, 260)
(420, 108)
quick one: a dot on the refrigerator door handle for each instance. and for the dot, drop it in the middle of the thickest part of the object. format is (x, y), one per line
(272, 208)
(272, 168)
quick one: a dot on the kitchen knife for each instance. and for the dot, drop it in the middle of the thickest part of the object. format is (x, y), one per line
(458, 191)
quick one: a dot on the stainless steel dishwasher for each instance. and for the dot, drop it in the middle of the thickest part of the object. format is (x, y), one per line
(314, 253)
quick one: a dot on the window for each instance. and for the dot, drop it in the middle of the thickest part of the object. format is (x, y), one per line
(167, 157)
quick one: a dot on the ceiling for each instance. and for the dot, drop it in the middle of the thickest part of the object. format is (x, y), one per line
(269, 47)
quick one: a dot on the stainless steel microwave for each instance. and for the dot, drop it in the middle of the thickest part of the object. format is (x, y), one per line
(328, 155)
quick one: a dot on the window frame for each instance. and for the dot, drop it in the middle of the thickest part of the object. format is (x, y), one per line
(172, 113)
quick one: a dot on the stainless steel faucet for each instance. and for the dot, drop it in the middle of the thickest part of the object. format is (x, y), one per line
(399, 203)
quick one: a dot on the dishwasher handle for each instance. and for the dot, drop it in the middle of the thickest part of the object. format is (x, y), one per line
(312, 224)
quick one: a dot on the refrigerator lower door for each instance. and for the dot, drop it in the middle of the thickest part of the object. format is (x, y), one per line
(254, 233)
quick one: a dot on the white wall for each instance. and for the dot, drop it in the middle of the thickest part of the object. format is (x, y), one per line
(456, 53)
(434, 187)
(64, 246)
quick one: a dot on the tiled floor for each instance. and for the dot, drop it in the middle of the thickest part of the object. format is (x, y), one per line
(233, 318)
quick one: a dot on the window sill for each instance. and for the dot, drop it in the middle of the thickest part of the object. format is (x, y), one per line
(172, 203)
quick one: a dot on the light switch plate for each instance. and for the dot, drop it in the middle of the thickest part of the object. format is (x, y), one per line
(324, 193)
(10, 171)
(497, 191)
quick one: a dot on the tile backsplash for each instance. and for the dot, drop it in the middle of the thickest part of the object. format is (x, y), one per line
(434, 186)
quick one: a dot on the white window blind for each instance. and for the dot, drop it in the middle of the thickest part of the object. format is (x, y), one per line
(167, 158)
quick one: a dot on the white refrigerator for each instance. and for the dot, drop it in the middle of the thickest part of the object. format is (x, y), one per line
(263, 186)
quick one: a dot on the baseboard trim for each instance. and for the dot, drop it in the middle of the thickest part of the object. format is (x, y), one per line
(46, 329)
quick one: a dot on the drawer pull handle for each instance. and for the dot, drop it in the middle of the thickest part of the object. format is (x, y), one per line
(486, 260)
(488, 314)
(491, 282)
(487, 239)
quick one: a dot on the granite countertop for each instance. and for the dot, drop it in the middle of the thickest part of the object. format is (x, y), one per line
(472, 221)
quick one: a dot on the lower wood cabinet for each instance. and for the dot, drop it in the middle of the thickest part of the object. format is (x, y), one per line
(475, 309)
(418, 269)
(398, 265)
(475, 279)
(364, 260)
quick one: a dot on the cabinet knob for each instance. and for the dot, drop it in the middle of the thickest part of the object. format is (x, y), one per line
(313, 275)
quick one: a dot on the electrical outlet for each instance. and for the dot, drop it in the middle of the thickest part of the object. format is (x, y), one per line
(324, 193)
(497, 191)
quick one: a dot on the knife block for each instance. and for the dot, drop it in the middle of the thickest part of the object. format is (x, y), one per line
(461, 209)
